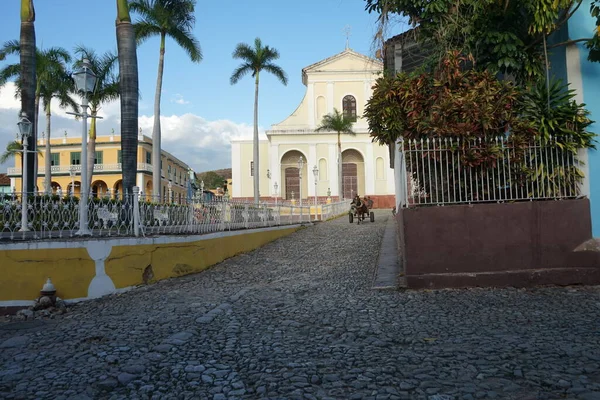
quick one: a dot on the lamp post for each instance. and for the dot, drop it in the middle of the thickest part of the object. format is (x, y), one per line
(72, 175)
(85, 81)
(300, 166)
(275, 187)
(316, 174)
(24, 125)
(202, 188)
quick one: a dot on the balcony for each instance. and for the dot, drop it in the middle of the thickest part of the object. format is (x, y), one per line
(65, 169)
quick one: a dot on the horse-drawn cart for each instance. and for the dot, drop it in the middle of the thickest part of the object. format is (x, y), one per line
(360, 211)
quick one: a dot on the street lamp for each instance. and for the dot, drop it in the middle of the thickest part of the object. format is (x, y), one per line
(275, 187)
(316, 174)
(85, 81)
(72, 175)
(300, 166)
(24, 125)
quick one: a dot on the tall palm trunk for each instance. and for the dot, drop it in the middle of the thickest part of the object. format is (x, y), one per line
(28, 77)
(256, 171)
(47, 155)
(36, 125)
(91, 155)
(156, 147)
(340, 184)
(128, 71)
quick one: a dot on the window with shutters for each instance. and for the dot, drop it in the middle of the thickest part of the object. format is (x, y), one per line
(349, 107)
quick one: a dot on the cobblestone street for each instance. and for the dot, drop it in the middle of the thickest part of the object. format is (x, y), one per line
(297, 319)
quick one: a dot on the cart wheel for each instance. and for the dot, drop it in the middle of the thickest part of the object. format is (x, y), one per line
(350, 217)
(372, 215)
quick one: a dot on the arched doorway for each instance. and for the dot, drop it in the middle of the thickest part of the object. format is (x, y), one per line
(56, 188)
(353, 174)
(99, 189)
(148, 190)
(118, 189)
(291, 176)
(77, 190)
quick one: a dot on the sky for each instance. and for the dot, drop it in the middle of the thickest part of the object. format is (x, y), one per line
(200, 110)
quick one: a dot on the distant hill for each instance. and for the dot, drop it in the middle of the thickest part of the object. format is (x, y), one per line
(214, 179)
(225, 173)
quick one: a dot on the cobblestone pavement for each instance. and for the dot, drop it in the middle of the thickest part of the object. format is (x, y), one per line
(297, 319)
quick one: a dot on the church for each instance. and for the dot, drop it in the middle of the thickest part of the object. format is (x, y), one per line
(341, 82)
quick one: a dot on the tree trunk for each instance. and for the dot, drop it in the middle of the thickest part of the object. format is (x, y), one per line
(128, 72)
(48, 155)
(91, 155)
(28, 78)
(35, 155)
(340, 185)
(256, 171)
(156, 147)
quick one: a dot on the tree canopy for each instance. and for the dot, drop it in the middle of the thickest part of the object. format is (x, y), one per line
(505, 36)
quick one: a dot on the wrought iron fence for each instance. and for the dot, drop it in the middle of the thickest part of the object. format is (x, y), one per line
(453, 171)
(53, 216)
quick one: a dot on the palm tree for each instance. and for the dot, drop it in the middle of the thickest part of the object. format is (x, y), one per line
(107, 89)
(173, 18)
(338, 122)
(61, 88)
(50, 71)
(255, 59)
(128, 86)
(28, 68)
(13, 149)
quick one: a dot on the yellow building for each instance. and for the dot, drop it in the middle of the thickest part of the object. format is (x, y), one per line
(106, 178)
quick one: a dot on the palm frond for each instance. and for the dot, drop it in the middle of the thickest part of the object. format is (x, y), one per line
(240, 72)
(186, 40)
(145, 29)
(336, 122)
(277, 71)
(244, 52)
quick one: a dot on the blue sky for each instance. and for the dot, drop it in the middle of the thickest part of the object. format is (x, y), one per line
(199, 104)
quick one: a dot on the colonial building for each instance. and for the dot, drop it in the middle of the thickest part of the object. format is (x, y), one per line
(341, 82)
(106, 178)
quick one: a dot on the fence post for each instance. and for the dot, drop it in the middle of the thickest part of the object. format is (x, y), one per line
(136, 211)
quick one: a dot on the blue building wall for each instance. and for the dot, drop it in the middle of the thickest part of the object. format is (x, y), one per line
(582, 25)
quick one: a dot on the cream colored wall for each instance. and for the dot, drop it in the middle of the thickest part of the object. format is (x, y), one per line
(349, 73)
(298, 118)
(246, 181)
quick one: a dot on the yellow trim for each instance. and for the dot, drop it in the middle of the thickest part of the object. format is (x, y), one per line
(25, 272)
(126, 264)
(71, 269)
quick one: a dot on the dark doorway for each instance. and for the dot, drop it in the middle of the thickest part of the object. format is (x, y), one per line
(292, 183)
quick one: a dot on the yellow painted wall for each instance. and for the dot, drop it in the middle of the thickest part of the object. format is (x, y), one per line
(24, 272)
(72, 270)
(126, 264)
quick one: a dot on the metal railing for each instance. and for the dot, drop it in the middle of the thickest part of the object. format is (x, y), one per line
(454, 171)
(53, 216)
(65, 169)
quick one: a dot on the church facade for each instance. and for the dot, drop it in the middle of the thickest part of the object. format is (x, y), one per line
(341, 82)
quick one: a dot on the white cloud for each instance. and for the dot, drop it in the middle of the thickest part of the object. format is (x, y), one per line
(204, 145)
(178, 99)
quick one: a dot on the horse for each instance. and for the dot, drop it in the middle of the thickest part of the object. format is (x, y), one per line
(359, 209)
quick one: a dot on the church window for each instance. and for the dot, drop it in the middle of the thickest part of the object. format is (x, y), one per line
(349, 107)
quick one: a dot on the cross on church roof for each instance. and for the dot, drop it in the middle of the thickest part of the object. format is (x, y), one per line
(347, 31)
